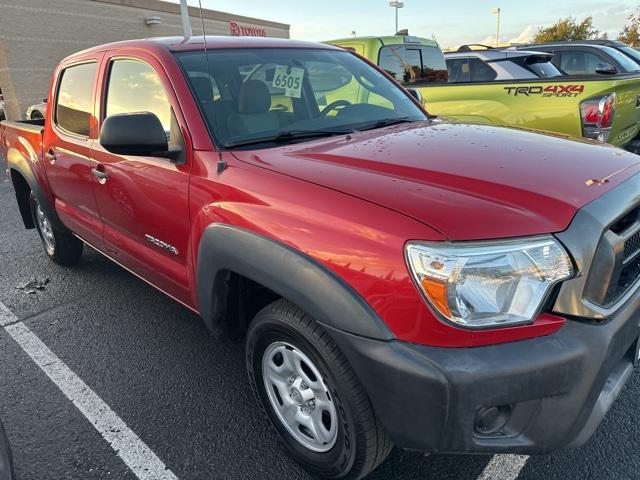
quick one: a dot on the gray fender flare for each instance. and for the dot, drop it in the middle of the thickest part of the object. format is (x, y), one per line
(291, 274)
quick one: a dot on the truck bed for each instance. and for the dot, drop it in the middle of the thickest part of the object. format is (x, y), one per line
(551, 105)
(24, 136)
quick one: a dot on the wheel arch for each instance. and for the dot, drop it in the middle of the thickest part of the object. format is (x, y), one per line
(24, 182)
(226, 252)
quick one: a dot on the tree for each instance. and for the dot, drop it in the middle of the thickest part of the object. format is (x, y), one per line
(567, 29)
(631, 32)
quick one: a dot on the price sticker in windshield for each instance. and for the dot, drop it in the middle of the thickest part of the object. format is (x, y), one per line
(290, 79)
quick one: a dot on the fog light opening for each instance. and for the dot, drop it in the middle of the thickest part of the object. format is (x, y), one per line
(490, 420)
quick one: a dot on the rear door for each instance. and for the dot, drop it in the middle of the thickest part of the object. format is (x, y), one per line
(67, 147)
(143, 201)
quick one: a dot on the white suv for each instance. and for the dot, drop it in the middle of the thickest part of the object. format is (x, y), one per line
(494, 64)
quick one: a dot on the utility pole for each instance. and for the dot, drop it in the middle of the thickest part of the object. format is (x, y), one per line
(397, 4)
(496, 12)
(186, 23)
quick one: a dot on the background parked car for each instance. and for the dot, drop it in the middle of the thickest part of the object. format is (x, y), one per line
(597, 107)
(467, 65)
(1, 106)
(595, 57)
(37, 111)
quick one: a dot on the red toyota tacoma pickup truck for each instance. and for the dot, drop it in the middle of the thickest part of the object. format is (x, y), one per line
(398, 280)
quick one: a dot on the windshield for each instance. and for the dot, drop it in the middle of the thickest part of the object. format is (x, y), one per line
(632, 52)
(265, 95)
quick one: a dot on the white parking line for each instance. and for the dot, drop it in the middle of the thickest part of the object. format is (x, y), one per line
(504, 467)
(133, 451)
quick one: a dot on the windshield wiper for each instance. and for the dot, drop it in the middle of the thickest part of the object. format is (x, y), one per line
(387, 122)
(287, 136)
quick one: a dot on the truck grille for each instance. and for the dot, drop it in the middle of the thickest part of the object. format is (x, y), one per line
(616, 264)
(632, 246)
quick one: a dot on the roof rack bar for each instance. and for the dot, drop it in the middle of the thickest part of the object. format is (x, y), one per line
(467, 47)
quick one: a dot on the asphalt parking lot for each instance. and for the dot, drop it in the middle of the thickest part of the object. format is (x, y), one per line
(184, 394)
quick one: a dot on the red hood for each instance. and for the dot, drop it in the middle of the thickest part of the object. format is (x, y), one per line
(469, 182)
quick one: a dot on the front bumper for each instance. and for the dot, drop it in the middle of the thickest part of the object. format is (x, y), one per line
(531, 396)
(555, 389)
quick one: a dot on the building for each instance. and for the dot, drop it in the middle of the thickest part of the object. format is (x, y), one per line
(36, 34)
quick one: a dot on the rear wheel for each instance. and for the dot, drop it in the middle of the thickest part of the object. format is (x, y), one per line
(61, 247)
(36, 115)
(312, 396)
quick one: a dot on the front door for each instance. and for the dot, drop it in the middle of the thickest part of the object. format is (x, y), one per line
(67, 148)
(143, 201)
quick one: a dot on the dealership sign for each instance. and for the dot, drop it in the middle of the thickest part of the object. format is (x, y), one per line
(238, 30)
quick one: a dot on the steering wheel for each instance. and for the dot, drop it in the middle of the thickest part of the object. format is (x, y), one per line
(333, 106)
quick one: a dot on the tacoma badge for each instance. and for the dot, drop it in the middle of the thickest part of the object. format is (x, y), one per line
(161, 244)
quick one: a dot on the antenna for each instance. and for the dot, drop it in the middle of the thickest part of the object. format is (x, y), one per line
(222, 165)
(186, 24)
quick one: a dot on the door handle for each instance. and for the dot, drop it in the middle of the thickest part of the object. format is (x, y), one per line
(100, 175)
(51, 156)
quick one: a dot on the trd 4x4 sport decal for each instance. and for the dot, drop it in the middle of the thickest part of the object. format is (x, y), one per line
(550, 91)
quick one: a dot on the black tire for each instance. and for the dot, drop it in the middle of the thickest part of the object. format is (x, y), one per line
(361, 444)
(6, 459)
(60, 246)
(36, 115)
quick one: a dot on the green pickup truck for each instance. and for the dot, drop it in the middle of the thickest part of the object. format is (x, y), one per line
(509, 87)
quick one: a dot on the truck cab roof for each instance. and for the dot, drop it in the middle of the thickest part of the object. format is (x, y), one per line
(497, 54)
(182, 44)
(390, 40)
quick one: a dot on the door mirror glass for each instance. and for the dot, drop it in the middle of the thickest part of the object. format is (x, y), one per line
(606, 69)
(139, 134)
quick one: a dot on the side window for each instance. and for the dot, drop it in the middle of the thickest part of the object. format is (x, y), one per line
(403, 64)
(136, 87)
(434, 67)
(413, 64)
(580, 62)
(74, 101)
(459, 70)
(392, 61)
(480, 71)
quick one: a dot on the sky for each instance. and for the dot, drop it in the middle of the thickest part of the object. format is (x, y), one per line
(452, 23)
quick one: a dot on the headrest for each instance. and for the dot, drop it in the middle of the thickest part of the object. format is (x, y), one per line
(254, 97)
(203, 88)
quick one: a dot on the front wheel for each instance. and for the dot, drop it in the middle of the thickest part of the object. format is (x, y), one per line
(60, 246)
(311, 395)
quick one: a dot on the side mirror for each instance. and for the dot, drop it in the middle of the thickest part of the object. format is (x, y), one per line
(44, 100)
(139, 134)
(606, 69)
(415, 94)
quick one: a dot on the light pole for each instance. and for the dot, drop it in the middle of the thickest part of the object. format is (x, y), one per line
(496, 12)
(397, 4)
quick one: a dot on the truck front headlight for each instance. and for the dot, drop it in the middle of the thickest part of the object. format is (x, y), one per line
(492, 284)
